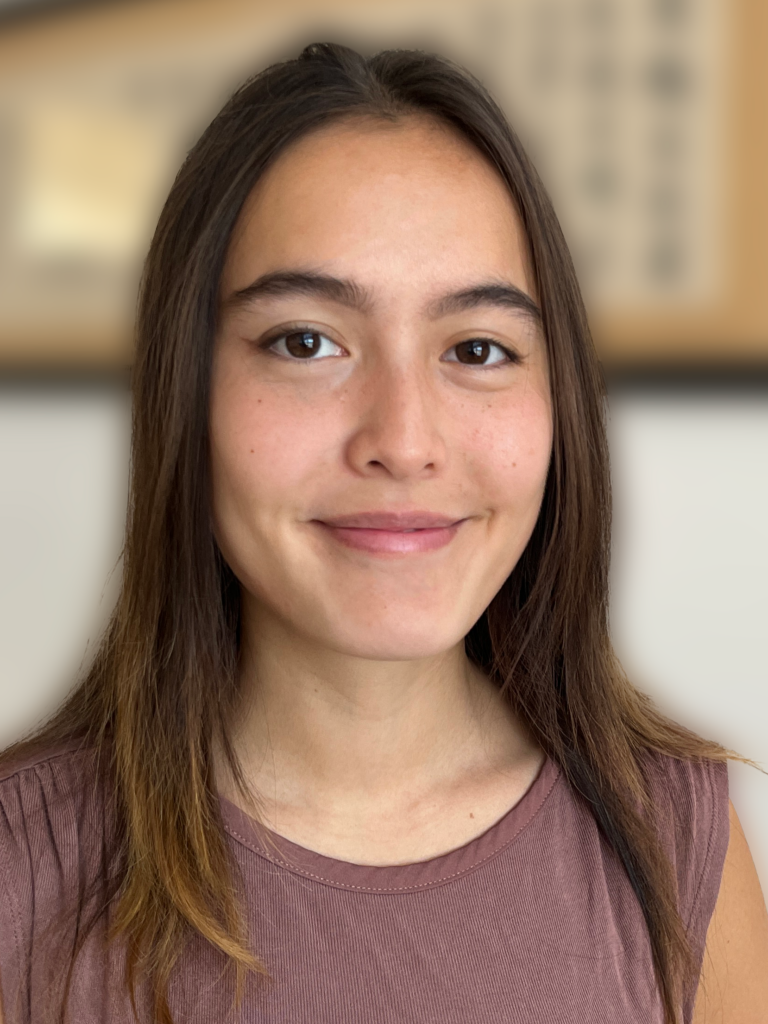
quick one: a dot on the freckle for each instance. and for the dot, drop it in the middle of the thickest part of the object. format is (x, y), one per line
(514, 465)
(251, 451)
(471, 814)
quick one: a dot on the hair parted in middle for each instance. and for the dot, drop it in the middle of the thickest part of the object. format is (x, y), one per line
(162, 691)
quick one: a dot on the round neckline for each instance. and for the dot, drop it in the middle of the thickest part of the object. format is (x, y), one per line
(392, 878)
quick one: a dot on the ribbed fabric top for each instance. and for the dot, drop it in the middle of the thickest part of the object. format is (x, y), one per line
(532, 922)
(400, 878)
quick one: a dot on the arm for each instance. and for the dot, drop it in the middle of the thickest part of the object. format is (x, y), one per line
(733, 988)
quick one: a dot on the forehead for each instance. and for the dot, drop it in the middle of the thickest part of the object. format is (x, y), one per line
(409, 206)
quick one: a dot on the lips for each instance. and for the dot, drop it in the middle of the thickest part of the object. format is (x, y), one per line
(399, 522)
(391, 534)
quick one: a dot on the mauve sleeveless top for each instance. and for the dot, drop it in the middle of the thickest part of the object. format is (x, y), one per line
(532, 922)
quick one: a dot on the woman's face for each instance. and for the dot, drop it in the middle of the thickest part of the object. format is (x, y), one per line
(378, 351)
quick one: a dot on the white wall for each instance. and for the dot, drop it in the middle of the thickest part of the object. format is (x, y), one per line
(690, 591)
(64, 459)
(690, 602)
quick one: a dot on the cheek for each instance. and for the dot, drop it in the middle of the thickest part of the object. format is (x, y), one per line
(264, 451)
(509, 449)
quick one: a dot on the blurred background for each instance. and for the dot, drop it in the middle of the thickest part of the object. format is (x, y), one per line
(648, 120)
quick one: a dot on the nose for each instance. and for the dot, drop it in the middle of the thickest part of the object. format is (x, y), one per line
(398, 428)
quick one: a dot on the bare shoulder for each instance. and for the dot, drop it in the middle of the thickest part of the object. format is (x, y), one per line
(733, 988)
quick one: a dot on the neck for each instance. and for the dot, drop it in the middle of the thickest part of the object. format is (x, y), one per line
(319, 728)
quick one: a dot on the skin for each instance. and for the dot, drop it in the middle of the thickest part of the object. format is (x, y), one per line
(733, 987)
(366, 732)
(370, 735)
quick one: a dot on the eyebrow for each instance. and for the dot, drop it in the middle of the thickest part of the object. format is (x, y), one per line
(347, 293)
(304, 282)
(505, 295)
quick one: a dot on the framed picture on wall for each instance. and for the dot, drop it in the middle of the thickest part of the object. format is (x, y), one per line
(646, 121)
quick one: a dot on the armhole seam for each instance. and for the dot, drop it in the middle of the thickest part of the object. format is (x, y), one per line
(13, 903)
(710, 844)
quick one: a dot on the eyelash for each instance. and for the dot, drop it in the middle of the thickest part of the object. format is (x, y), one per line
(512, 357)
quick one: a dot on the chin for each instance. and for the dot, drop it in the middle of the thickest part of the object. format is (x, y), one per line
(425, 639)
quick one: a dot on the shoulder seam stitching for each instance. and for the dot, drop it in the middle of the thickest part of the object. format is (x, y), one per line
(44, 759)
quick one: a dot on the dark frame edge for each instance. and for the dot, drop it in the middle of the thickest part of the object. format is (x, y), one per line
(697, 378)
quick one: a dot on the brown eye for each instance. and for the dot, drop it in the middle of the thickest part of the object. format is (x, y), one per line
(302, 345)
(473, 351)
(476, 352)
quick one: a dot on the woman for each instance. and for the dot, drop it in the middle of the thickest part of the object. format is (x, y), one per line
(356, 729)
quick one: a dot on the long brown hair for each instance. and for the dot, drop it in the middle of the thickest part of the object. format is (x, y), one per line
(162, 691)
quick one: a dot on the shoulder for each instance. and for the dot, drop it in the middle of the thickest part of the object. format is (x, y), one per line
(60, 756)
(54, 826)
(690, 811)
(689, 802)
(734, 983)
(52, 822)
(696, 781)
(48, 786)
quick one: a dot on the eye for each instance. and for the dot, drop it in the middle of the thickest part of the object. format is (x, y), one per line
(302, 345)
(476, 352)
